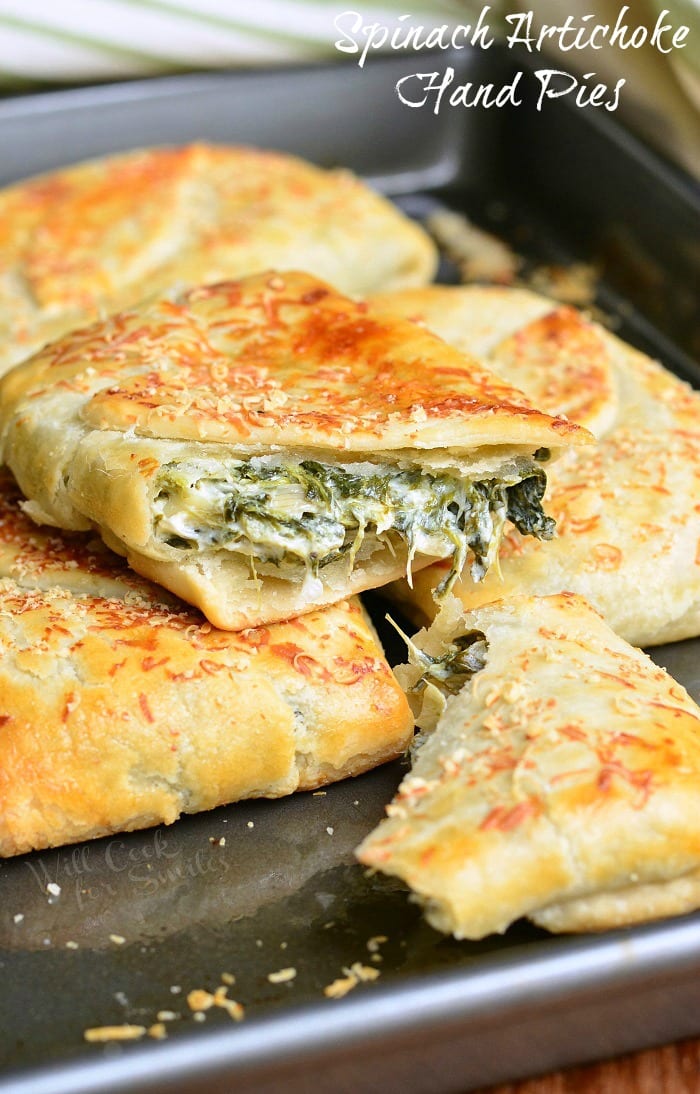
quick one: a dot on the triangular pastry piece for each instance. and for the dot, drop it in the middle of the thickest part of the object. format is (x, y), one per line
(557, 776)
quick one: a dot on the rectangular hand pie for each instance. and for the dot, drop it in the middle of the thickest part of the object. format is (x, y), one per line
(120, 708)
(627, 512)
(266, 446)
(558, 777)
(103, 235)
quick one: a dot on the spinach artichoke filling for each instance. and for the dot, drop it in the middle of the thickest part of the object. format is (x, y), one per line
(465, 656)
(308, 514)
(451, 670)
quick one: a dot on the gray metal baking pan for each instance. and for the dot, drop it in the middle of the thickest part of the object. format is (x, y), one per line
(143, 919)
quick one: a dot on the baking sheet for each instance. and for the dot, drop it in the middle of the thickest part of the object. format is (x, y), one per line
(143, 919)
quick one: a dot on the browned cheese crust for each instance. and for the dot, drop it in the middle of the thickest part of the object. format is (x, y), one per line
(270, 364)
(120, 708)
(560, 782)
(627, 510)
(105, 234)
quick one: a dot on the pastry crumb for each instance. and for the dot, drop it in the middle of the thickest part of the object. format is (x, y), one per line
(199, 1000)
(363, 972)
(234, 1009)
(356, 974)
(340, 987)
(283, 976)
(125, 1032)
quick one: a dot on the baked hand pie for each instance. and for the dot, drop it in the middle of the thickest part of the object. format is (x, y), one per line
(628, 510)
(556, 777)
(121, 708)
(103, 235)
(266, 446)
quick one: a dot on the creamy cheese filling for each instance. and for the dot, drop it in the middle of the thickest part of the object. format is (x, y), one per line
(308, 514)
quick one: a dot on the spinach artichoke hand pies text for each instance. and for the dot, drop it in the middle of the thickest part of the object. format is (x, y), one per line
(121, 708)
(104, 235)
(266, 446)
(627, 509)
(558, 777)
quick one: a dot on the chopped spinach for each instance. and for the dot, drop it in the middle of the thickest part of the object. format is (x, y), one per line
(525, 508)
(464, 657)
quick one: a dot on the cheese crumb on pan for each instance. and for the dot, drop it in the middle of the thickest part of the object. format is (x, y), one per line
(282, 977)
(124, 1032)
(354, 975)
(200, 1000)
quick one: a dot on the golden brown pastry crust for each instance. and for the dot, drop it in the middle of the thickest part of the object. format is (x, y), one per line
(105, 234)
(41, 557)
(121, 708)
(628, 521)
(624, 907)
(560, 783)
(273, 363)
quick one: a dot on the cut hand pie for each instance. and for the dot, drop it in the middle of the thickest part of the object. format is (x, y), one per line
(120, 708)
(266, 446)
(627, 511)
(557, 778)
(103, 235)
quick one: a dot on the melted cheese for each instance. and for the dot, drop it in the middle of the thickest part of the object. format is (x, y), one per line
(308, 514)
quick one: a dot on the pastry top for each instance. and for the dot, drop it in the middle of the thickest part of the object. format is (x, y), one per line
(146, 711)
(563, 767)
(280, 359)
(103, 235)
(628, 522)
(563, 361)
(559, 360)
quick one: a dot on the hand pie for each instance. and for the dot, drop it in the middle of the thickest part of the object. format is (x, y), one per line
(104, 235)
(263, 447)
(120, 708)
(558, 780)
(627, 511)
